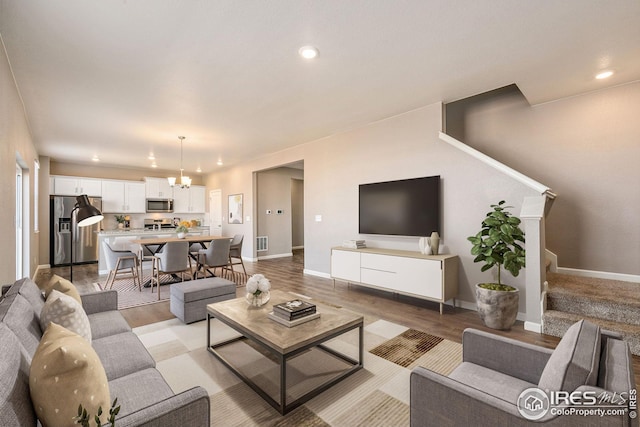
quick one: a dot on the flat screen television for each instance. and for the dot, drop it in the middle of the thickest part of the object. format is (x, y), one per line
(408, 207)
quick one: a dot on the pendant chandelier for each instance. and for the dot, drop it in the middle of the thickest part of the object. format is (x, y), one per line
(185, 181)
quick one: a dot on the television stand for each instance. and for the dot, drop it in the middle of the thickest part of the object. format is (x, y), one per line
(430, 277)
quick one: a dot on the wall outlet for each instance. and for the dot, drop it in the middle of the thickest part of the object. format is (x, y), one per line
(318, 218)
(279, 211)
(268, 211)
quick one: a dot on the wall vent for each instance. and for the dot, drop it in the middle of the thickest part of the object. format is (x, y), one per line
(262, 243)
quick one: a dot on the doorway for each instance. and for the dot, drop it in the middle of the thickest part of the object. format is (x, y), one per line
(215, 212)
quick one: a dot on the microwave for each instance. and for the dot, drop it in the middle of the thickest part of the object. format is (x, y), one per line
(159, 205)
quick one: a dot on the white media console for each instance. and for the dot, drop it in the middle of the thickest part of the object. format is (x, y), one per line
(431, 277)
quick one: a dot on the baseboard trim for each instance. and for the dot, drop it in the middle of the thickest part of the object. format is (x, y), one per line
(533, 327)
(297, 247)
(600, 274)
(275, 256)
(316, 273)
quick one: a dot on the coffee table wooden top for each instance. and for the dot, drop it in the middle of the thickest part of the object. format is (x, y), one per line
(253, 321)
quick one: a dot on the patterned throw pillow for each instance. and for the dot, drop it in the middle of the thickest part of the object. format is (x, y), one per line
(66, 372)
(63, 285)
(67, 312)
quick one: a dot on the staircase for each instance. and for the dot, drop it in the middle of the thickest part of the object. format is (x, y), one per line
(612, 304)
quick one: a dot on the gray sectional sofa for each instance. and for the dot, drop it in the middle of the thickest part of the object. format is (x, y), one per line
(143, 395)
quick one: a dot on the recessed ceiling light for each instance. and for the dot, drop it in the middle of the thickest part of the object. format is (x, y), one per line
(604, 74)
(219, 163)
(199, 169)
(308, 52)
(151, 157)
(95, 158)
(153, 165)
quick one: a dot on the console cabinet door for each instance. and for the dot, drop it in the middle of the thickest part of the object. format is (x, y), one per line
(345, 265)
(403, 274)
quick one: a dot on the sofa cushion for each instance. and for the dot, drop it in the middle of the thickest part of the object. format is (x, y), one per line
(139, 390)
(15, 403)
(22, 321)
(30, 291)
(491, 382)
(107, 323)
(62, 285)
(65, 373)
(122, 354)
(575, 360)
(67, 312)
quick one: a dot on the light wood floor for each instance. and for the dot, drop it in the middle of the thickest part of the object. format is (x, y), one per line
(286, 274)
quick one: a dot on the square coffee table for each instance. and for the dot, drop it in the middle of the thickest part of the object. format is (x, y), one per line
(282, 345)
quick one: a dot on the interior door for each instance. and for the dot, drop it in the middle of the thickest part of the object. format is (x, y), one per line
(18, 222)
(215, 212)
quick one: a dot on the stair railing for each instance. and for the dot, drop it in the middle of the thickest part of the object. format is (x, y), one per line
(534, 210)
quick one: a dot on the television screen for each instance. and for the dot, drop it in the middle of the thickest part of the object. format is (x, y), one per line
(409, 207)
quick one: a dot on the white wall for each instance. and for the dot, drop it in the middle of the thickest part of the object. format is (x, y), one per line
(15, 143)
(586, 148)
(404, 146)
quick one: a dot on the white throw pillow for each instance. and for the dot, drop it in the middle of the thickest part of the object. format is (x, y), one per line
(67, 312)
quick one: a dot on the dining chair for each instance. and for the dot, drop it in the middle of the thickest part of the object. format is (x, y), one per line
(146, 253)
(117, 261)
(216, 255)
(172, 259)
(235, 252)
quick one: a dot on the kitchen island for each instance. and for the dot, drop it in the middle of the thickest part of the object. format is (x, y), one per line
(122, 240)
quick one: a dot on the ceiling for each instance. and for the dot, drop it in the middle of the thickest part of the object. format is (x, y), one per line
(121, 79)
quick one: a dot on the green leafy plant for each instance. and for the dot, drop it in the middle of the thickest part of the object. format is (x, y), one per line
(119, 218)
(84, 418)
(181, 229)
(499, 243)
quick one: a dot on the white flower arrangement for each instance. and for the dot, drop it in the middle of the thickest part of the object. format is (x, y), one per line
(258, 284)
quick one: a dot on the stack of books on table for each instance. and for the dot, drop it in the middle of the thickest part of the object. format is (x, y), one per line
(295, 312)
(354, 244)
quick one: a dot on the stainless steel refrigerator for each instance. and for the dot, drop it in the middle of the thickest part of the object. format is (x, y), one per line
(85, 239)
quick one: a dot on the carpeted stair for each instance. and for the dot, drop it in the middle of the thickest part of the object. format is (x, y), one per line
(612, 304)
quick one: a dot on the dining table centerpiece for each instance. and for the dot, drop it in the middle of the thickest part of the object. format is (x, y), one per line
(258, 288)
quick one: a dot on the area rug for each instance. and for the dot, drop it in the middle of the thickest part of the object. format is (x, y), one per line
(377, 395)
(130, 296)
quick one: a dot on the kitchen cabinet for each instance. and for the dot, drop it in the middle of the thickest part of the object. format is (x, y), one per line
(431, 277)
(158, 188)
(123, 197)
(189, 200)
(75, 186)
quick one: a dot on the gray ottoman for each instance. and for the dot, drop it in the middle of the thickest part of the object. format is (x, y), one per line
(189, 299)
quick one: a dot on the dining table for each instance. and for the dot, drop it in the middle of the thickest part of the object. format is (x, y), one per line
(155, 244)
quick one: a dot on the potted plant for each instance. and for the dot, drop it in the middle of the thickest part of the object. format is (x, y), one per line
(120, 219)
(182, 231)
(500, 243)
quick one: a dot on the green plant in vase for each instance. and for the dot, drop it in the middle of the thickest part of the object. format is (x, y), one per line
(499, 243)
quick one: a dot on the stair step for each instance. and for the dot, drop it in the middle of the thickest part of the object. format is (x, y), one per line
(614, 300)
(556, 323)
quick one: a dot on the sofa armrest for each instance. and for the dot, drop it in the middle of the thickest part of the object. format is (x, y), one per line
(438, 400)
(508, 356)
(189, 408)
(99, 301)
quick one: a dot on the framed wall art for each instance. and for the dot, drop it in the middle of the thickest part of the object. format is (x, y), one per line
(235, 209)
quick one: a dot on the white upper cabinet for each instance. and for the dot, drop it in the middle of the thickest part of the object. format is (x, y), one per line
(158, 188)
(123, 197)
(189, 200)
(75, 186)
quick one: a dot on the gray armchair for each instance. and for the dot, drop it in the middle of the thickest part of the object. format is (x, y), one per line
(484, 389)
